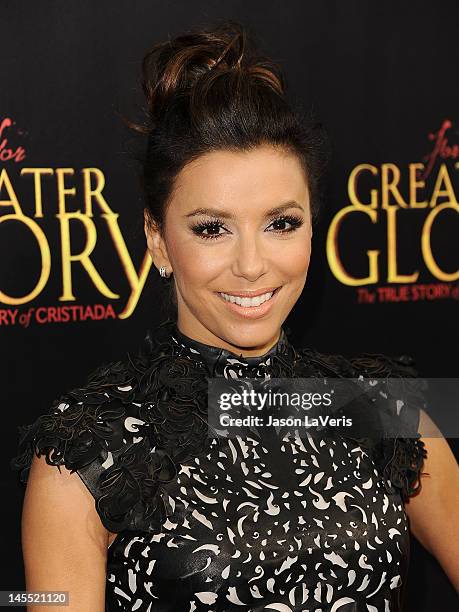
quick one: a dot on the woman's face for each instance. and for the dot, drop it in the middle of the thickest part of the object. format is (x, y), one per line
(223, 236)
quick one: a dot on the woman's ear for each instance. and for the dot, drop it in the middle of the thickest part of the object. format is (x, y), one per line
(155, 243)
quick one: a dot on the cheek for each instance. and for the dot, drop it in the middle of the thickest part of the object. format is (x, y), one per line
(194, 266)
(294, 259)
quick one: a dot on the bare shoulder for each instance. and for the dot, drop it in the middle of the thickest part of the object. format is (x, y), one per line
(65, 495)
(433, 515)
(440, 476)
(63, 539)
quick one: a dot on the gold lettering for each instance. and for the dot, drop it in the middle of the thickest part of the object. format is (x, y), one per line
(426, 245)
(13, 201)
(392, 273)
(96, 192)
(416, 184)
(136, 281)
(334, 260)
(390, 178)
(37, 174)
(352, 187)
(83, 257)
(447, 191)
(45, 260)
(62, 190)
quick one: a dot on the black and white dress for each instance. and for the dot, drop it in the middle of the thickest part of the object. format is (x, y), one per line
(224, 524)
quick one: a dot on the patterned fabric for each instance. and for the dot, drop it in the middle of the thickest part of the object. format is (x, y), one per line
(220, 524)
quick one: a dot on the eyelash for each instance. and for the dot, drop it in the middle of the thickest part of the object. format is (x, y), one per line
(294, 221)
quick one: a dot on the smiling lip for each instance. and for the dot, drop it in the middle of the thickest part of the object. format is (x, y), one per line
(252, 312)
(249, 294)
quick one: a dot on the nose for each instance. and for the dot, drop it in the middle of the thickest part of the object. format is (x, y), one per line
(250, 260)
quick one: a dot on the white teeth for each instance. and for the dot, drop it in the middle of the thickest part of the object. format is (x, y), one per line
(247, 302)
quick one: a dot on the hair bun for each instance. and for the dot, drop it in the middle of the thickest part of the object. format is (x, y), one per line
(212, 89)
(198, 58)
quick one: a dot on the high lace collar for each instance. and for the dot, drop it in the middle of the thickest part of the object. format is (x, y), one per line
(223, 362)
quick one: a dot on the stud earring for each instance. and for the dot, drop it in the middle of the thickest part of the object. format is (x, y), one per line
(162, 271)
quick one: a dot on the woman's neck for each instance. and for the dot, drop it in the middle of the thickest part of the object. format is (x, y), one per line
(204, 336)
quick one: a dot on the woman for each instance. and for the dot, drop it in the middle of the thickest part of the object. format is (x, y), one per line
(163, 516)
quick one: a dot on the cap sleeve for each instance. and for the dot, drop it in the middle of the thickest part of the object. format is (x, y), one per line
(400, 457)
(99, 432)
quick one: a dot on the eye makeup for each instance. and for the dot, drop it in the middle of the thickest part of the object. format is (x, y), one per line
(215, 224)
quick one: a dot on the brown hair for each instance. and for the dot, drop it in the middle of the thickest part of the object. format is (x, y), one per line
(211, 89)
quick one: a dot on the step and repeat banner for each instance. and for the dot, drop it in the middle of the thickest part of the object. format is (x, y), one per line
(77, 286)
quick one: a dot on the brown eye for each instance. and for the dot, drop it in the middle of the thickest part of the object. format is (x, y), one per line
(208, 229)
(294, 222)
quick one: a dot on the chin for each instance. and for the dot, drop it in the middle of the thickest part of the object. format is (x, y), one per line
(251, 335)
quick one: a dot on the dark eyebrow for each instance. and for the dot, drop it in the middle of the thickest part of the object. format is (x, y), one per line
(223, 214)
